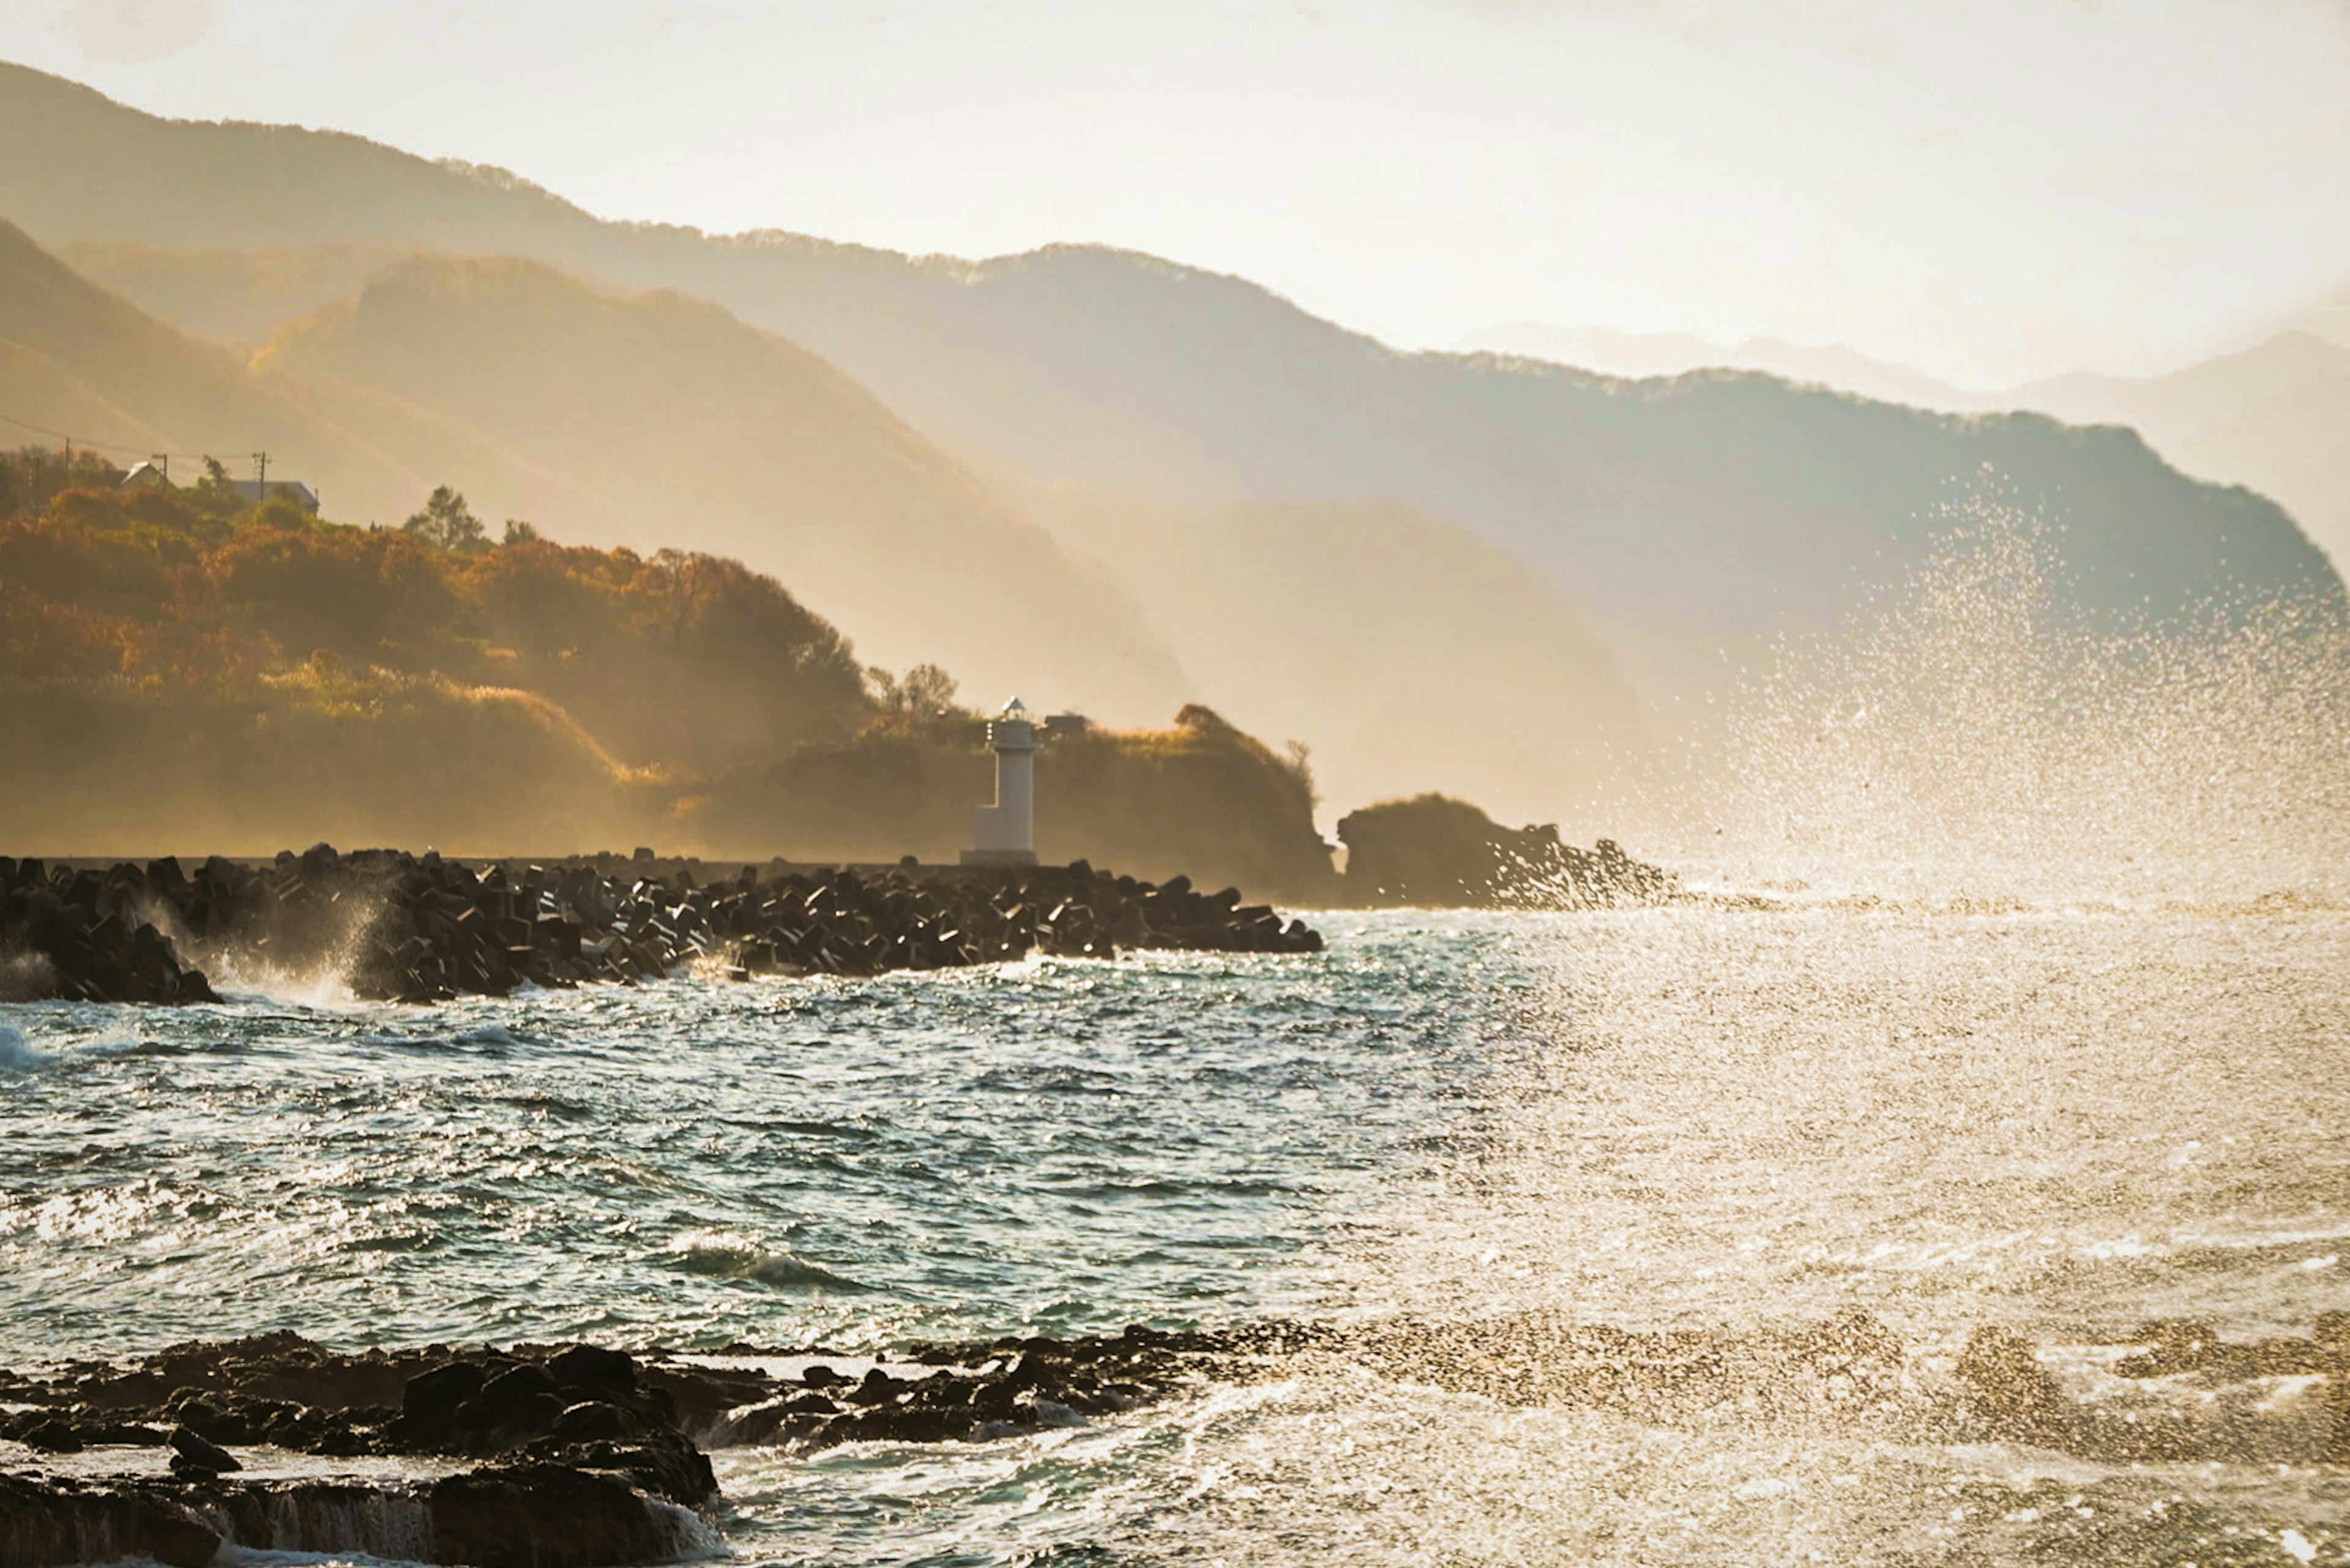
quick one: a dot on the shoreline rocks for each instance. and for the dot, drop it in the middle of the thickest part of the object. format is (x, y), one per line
(561, 1455)
(584, 1457)
(407, 928)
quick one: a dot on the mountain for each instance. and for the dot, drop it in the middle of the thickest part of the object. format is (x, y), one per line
(232, 296)
(1692, 519)
(180, 667)
(656, 421)
(78, 359)
(653, 422)
(2276, 416)
(1646, 355)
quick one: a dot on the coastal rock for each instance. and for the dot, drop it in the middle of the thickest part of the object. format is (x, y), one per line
(518, 1516)
(1435, 852)
(545, 1516)
(201, 1454)
(50, 1523)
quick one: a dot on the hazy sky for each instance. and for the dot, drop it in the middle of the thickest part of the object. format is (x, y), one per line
(1988, 188)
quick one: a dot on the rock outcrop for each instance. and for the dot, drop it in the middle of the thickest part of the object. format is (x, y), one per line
(1441, 853)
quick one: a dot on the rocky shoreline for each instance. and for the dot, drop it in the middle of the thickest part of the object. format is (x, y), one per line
(407, 928)
(582, 1456)
(552, 1456)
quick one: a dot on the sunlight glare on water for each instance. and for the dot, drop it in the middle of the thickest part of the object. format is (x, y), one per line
(2018, 994)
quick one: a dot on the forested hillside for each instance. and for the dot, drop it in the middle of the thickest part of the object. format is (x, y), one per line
(185, 669)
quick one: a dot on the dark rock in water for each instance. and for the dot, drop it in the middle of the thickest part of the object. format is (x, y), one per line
(534, 1515)
(431, 1397)
(900, 1425)
(1439, 853)
(52, 1437)
(537, 1414)
(511, 1391)
(201, 1454)
(425, 929)
(592, 1419)
(544, 1516)
(51, 1522)
(594, 1368)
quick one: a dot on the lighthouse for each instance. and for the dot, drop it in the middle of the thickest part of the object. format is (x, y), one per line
(1005, 834)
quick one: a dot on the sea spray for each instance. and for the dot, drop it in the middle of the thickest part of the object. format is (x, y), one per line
(1965, 738)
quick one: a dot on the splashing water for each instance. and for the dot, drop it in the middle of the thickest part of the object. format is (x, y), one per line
(2021, 998)
(1969, 740)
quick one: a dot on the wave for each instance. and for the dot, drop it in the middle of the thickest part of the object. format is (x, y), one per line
(726, 1255)
(19, 1055)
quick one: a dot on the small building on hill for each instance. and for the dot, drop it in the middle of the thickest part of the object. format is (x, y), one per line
(292, 490)
(149, 475)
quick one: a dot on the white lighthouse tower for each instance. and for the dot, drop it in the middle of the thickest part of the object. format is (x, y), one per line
(1005, 834)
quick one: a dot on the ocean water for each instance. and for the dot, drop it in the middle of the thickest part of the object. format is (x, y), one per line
(1730, 1116)
(1051, 1146)
(2013, 989)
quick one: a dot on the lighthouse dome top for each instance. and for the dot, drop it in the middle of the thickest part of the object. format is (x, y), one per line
(1015, 709)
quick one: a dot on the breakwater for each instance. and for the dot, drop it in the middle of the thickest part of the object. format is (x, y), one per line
(408, 928)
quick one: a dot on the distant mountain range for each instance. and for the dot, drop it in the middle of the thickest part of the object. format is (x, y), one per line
(2273, 416)
(1565, 560)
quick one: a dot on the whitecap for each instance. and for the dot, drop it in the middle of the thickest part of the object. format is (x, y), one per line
(19, 1055)
(728, 1255)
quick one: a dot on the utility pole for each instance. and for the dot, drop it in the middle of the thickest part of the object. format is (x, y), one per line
(260, 477)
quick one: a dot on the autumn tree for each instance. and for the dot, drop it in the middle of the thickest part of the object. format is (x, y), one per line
(216, 493)
(447, 522)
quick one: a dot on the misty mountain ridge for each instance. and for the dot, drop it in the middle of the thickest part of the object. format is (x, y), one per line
(1407, 648)
(1650, 356)
(657, 419)
(2273, 416)
(1691, 521)
(653, 422)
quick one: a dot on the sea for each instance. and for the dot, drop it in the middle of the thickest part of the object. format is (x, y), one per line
(2011, 986)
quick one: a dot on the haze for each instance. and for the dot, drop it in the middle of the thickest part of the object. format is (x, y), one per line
(1988, 191)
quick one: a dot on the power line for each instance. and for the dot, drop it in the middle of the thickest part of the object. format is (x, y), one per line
(123, 447)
